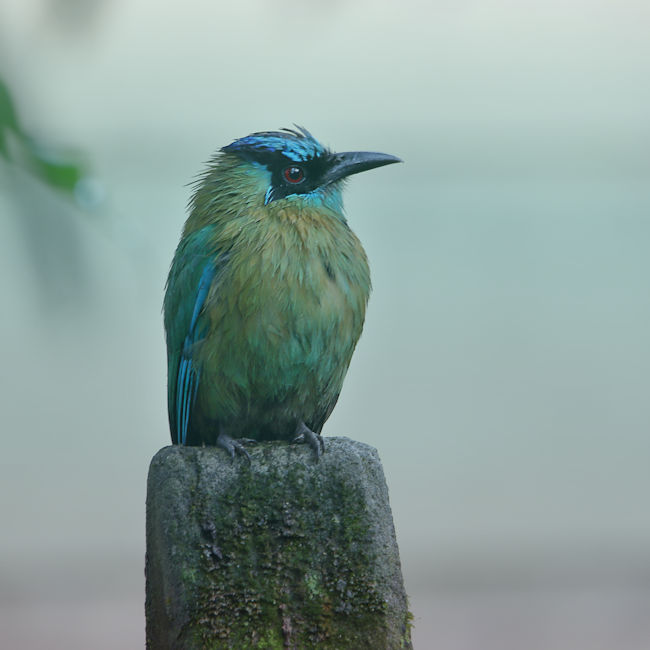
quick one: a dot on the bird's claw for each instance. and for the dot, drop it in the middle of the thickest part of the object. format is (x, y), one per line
(304, 435)
(235, 445)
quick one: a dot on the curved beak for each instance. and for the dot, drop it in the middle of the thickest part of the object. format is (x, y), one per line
(352, 162)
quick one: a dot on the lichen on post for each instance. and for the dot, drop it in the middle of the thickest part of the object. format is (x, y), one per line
(286, 553)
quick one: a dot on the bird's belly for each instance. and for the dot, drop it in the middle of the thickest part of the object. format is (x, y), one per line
(278, 351)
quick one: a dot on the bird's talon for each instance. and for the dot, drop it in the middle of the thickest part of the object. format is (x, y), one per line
(233, 446)
(242, 452)
(314, 440)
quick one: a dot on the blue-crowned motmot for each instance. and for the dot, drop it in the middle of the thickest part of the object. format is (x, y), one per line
(267, 294)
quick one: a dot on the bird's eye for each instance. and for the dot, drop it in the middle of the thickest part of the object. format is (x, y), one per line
(294, 175)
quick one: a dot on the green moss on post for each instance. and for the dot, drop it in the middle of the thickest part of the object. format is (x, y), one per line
(288, 553)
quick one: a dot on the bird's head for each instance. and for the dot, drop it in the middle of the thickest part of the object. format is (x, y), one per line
(293, 165)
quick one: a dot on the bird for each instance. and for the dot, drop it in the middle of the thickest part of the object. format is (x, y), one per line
(266, 295)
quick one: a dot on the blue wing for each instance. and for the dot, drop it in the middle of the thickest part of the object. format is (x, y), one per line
(188, 375)
(190, 278)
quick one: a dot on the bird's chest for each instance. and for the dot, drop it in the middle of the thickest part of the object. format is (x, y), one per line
(295, 300)
(294, 296)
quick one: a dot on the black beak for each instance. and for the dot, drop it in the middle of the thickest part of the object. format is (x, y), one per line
(352, 162)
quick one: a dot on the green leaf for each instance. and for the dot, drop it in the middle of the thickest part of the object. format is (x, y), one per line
(8, 117)
(59, 169)
(63, 175)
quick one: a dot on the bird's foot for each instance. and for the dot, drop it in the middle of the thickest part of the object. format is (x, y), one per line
(305, 435)
(234, 445)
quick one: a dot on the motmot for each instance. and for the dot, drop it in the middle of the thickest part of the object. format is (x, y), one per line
(267, 293)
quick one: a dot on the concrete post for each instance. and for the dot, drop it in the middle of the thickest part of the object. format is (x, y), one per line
(286, 553)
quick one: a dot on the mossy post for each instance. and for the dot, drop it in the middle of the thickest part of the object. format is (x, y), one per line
(286, 553)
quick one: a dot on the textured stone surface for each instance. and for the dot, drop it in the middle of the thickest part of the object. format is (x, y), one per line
(288, 553)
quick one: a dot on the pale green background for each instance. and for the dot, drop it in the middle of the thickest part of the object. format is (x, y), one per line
(504, 369)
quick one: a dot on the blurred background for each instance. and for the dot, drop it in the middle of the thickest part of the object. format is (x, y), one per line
(504, 369)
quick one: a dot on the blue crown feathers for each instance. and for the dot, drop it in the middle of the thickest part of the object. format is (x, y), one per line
(295, 145)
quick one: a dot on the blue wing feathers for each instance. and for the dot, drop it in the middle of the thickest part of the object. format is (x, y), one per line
(204, 286)
(187, 382)
(186, 389)
(181, 432)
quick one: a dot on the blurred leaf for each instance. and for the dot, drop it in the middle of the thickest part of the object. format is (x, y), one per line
(59, 170)
(8, 118)
(62, 174)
